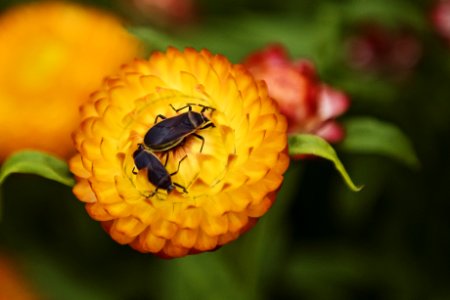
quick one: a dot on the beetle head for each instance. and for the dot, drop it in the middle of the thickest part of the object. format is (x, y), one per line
(170, 188)
(197, 119)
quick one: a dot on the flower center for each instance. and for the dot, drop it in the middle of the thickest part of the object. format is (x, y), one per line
(198, 159)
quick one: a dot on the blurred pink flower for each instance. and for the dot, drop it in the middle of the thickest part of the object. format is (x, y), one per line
(309, 105)
(441, 18)
(163, 12)
(376, 48)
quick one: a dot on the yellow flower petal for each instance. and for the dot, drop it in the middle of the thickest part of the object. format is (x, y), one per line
(229, 184)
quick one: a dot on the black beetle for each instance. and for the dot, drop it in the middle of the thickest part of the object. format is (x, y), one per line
(156, 171)
(171, 132)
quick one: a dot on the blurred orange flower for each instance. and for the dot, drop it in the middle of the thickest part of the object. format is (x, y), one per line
(309, 105)
(12, 284)
(53, 55)
(229, 185)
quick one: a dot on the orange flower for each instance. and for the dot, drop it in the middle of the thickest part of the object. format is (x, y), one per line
(309, 105)
(53, 55)
(229, 184)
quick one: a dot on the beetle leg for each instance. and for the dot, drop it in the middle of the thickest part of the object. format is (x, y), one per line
(159, 116)
(189, 105)
(205, 108)
(180, 186)
(151, 195)
(134, 171)
(179, 163)
(167, 158)
(174, 109)
(201, 138)
(210, 124)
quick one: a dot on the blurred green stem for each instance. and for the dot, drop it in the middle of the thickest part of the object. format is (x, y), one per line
(1, 203)
(263, 252)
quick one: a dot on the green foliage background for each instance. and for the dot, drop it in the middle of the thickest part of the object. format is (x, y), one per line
(320, 240)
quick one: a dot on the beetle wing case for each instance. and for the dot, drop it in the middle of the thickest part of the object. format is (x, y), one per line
(169, 131)
(156, 172)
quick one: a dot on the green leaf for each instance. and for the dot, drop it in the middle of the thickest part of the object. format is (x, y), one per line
(153, 38)
(38, 163)
(308, 144)
(394, 13)
(370, 136)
